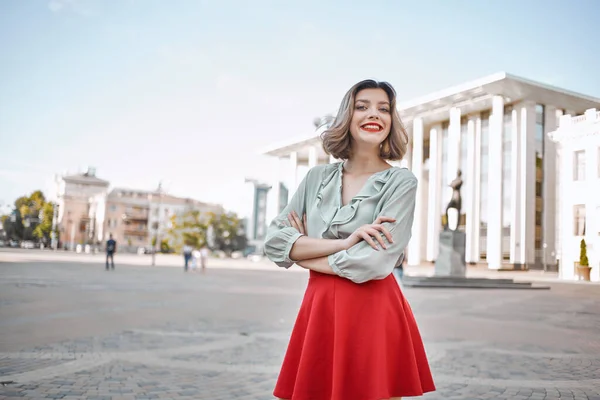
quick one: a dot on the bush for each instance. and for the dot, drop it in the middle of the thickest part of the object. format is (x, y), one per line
(583, 260)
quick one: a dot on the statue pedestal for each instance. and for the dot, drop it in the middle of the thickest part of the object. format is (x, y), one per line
(451, 258)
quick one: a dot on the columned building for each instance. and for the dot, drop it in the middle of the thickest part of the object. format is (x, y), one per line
(494, 130)
(578, 181)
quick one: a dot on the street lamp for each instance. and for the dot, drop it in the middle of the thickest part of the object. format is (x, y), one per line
(157, 225)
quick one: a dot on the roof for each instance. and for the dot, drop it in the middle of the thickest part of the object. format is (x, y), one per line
(471, 97)
(86, 178)
(131, 196)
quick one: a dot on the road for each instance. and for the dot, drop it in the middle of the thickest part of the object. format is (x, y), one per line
(71, 330)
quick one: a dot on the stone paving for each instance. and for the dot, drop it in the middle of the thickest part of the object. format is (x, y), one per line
(75, 331)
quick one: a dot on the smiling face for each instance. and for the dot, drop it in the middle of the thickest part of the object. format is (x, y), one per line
(367, 121)
(371, 119)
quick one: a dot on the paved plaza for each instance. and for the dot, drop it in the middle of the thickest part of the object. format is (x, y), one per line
(71, 330)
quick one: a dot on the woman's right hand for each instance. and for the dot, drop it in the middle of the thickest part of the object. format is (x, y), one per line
(372, 231)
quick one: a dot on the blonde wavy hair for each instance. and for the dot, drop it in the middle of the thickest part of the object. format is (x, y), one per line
(337, 139)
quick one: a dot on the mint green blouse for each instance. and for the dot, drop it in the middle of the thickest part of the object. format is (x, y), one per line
(389, 193)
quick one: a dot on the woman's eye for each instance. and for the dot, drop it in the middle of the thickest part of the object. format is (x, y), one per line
(361, 108)
(386, 110)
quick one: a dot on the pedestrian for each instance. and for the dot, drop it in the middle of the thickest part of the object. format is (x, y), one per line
(187, 255)
(355, 337)
(111, 249)
(203, 258)
(195, 259)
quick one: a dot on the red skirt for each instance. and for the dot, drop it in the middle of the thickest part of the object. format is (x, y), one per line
(354, 342)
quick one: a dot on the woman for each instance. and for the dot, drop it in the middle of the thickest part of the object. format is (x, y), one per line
(355, 336)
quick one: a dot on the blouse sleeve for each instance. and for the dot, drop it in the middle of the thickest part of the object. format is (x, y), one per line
(362, 263)
(281, 236)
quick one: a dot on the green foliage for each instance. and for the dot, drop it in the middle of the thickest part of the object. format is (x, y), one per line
(164, 246)
(217, 231)
(44, 228)
(31, 218)
(190, 228)
(228, 232)
(583, 259)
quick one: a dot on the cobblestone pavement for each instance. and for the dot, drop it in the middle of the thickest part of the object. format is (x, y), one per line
(75, 331)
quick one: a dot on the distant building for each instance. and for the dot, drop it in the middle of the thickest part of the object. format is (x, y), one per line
(75, 225)
(163, 207)
(256, 223)
(135, 217)
(88, 212)
(578, 181)
(494, 130)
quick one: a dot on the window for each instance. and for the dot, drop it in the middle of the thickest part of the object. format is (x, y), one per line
(579, 165)
(579, 220)
(113, 208)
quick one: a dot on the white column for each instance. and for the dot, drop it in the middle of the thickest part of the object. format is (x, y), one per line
(592, 211)
(557, 192)
(470, 206)
(570, 249)
(515, 178)
(408, 157)
(476, 251)
(548, 189)
(415, 244)
(494, 233)
(312, 157)
(293, 178)
(527, 182)
(453, 146)
(435, 195)
(332, 159)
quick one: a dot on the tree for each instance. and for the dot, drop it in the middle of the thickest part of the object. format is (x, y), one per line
(190, 228)
(44, 229)
(31, 218)
(227, 232)
(13, 226)
(223, 232)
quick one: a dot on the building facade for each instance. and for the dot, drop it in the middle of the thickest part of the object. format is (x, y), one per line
(88, 213)
(136, 217)
(494, 130)
(578, 183)
(75, 223)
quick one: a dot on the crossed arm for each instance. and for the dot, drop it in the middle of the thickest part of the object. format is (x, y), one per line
(312, 253)
(371, 252)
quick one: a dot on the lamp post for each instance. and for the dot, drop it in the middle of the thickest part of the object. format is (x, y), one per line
(157, 225)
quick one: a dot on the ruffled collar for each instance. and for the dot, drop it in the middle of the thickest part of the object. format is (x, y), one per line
(329, 195)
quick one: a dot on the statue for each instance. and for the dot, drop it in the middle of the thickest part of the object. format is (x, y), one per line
(450, 261)
(455, 204)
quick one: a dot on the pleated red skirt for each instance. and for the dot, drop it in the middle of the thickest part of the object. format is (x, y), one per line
(354, 342)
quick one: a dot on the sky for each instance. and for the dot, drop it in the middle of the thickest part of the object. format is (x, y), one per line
(191, 92)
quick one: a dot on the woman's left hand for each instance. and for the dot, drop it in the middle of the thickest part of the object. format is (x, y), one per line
(296, 222)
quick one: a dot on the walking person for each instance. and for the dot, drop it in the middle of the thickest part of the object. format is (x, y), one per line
(203, 258)
(355, 336)
(195, 259)
(187, 255)
(111, 248)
